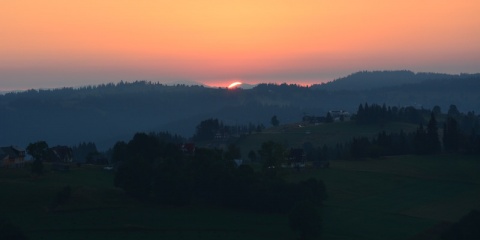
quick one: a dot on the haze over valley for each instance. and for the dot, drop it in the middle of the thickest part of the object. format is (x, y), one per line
(106, 113)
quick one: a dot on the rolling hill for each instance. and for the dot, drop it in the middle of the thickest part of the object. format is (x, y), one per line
(108, 113)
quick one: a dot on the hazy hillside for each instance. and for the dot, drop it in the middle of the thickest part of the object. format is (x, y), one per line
(107, 113)
(378, 79)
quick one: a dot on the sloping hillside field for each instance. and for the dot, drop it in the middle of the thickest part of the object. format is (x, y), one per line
(398, 197)
(387, 198)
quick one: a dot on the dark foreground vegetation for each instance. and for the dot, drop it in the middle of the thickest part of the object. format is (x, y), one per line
(158, 171)
(386, 198)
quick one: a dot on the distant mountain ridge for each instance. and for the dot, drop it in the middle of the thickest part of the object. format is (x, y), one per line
(367, 80)
(108, 113)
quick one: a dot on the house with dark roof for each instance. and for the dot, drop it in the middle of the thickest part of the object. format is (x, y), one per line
(12, 157)
(61, 154)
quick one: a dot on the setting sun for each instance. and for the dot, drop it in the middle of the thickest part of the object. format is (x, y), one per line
(234, 85)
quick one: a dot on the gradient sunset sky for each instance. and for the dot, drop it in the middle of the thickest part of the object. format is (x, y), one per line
(58, 43)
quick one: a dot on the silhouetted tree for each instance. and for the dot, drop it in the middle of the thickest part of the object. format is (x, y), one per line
(360, 147)
(329, 118)
(411, 115)
(451, 135)
(39, 151)
(437, 110)
(206, 130)
(453, 111)
(171, 181)
(360, 117)
(134, 174)
(119, 152)
(419, 140)
(83, 150)
(374, 114)
(153, 170)
(433, 141)
(472, 145)
(274, 121)
(272, 154)
(260, 127)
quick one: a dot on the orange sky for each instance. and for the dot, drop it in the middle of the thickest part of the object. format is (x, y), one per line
(56, 43)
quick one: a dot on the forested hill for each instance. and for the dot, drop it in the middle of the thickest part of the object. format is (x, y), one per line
(108, 113)
(105, 114)
(379, 79)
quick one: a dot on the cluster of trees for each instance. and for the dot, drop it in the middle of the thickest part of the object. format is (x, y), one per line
(85, 152)
(39, 151)
(455, 132)
(155, 170)
(461, 134)
(422, 141)
(457, 137)
(274, 121)
(208, 129)
(376, 114)
(427, 141)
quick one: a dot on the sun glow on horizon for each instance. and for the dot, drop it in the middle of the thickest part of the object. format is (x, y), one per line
(66, 43)
(234, 85)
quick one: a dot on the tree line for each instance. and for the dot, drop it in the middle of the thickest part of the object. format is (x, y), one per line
(154, 170)
(209, 129)
(451, 132)
(460, 132)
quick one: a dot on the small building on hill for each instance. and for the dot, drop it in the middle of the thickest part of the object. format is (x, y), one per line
(61, 154)
(339, 115)
(296, 158)
(12, 157)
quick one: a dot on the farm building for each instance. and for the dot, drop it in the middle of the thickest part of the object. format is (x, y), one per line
(12, 157)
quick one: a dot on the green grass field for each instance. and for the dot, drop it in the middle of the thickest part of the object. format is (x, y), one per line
(386, 198)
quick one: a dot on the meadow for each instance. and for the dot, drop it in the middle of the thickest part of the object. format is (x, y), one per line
(386, 198)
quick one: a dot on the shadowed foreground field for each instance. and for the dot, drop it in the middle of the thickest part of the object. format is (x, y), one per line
(397, 197)
(388, 198)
